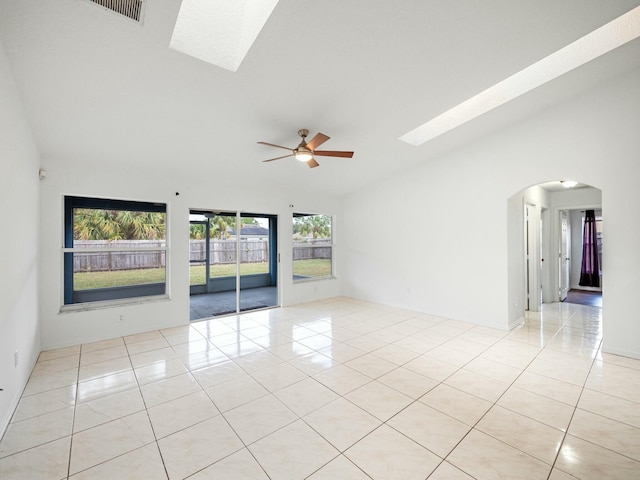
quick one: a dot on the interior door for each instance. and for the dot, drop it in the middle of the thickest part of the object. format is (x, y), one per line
(563, 257)
(532, 256)
(544, 266)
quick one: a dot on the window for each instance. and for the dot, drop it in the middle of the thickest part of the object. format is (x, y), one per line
(599, 231)
(113, 249)
(312, 246)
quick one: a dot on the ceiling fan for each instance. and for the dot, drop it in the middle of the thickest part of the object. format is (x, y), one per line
(305, 152)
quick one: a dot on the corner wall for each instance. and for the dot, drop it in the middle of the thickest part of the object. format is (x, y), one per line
(448, 216)
(19, 326)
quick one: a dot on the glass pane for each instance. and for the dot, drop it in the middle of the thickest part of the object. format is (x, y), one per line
(312, 246)
(117, 269)
(223, 246)
(197, 252)
(123, 230)
(119, 226)
(222, 264)
(254, 246)
(257, 284)
(97, 229)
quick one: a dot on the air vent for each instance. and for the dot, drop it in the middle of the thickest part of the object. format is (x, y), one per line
(129, 8)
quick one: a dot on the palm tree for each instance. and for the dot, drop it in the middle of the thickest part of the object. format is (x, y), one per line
(319, 226)
(196, 231)
(220, 225)
(218, 228)
(98, 224)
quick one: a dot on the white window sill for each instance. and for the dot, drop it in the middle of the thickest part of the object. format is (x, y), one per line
(85, 307)
(314, 279)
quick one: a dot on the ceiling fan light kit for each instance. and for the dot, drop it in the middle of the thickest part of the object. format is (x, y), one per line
(305, 152)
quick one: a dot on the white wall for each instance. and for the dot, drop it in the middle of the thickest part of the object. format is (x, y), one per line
(19, 161)
(450, 215)
(430, 240)
(195, 191)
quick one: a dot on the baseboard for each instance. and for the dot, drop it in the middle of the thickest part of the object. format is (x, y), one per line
(516, 323)
(4, 422)
(620, 352)
(11, 411)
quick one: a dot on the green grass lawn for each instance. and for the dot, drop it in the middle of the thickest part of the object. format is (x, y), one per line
(318, 267)
(120, 278)
(197, 272)
(314, 267)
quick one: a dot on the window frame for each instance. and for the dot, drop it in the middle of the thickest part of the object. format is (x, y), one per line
(107, 295)
(331, 246)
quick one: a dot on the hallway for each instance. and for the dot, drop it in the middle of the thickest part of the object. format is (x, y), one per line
(584, 297)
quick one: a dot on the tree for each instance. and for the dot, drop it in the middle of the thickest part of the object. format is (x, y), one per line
(196, 231)
(220, 224)
(98, 224)
(319, 226)
(218, 228)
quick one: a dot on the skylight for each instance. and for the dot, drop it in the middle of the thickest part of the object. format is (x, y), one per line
(602, 40)
(220, 32)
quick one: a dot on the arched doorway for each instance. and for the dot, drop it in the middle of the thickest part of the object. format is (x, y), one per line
(544, 241)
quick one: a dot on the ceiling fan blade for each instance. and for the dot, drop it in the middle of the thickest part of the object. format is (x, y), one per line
(274, 145)
(316, 141)
(333, 153)
(312, 163)
(278, 158)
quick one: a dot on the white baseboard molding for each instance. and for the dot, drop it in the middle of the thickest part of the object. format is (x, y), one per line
(12, 408)
(621, 352)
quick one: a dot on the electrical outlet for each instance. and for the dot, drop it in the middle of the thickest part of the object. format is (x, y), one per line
(15, 358)
(121, 318)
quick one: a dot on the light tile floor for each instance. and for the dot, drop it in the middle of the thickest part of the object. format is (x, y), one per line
(337, 389)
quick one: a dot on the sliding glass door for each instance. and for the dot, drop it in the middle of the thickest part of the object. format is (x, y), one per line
(258, 262)
(232, 262)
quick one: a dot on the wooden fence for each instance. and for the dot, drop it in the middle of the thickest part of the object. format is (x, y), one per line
(222, 252)
(316, 248)
(111, 261)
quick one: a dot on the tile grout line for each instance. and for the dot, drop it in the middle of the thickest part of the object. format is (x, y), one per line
(562, 327)
(221, 413)
(146, 409)
(73, 420)
(575, 408)
(495, 403)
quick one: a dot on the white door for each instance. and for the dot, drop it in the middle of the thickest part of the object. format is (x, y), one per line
(563, 257)
(532, 256)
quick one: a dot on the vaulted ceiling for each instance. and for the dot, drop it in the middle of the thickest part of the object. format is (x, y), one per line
(101, 89)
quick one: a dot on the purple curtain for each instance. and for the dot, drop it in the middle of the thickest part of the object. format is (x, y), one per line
(590, 272)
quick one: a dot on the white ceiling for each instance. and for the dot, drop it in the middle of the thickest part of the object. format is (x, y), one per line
(101, 89)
